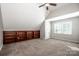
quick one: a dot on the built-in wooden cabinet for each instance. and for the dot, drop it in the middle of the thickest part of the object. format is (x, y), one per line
(36, 34)
(29, 34)
(15, 36)
(20, 36)
(9, 36)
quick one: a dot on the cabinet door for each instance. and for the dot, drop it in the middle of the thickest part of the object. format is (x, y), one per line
(21, 36)
(36, 34)
(9, 37)
(29, 35)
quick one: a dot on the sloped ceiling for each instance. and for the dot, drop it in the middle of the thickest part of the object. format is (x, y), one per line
(28, 16)
(53, 8)
(22, 16)
(62, 9)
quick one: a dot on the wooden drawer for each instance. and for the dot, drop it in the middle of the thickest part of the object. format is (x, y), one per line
(9, 36)
(9, 41)
(9, 33)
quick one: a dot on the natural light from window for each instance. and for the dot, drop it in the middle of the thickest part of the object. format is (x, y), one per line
(63, 27)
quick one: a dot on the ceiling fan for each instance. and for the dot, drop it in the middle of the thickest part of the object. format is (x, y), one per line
(47, 5)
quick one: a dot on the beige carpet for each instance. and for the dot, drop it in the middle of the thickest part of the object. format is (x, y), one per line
(39, 47)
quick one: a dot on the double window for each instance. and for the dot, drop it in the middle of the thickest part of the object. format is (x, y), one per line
(63, 27)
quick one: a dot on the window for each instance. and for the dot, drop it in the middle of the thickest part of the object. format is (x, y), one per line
(63, 27)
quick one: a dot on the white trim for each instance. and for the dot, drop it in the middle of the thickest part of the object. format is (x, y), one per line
(77, 42)
(70, 15)
(1, 47)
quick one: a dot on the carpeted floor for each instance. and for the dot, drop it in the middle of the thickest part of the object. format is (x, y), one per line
(39, 47)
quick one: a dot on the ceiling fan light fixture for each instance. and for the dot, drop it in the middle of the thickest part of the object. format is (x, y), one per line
(47, 4)
(47, 8)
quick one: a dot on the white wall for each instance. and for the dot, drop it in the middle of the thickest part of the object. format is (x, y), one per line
(22, 16)
(47, 29)
(1, 31)
(42, 31)
(74, 37)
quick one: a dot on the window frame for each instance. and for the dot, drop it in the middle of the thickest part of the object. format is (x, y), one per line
(61, 24)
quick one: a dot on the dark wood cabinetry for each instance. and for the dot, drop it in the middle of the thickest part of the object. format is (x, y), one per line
(15, 36)
(20, 35)
(9, 37)
(36, 34)
(29, 34)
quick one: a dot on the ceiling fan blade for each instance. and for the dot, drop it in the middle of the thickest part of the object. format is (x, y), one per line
(53, 4)
(42, 5)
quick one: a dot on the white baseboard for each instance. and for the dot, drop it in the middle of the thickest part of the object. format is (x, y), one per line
(67, 40)
(1, 47)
